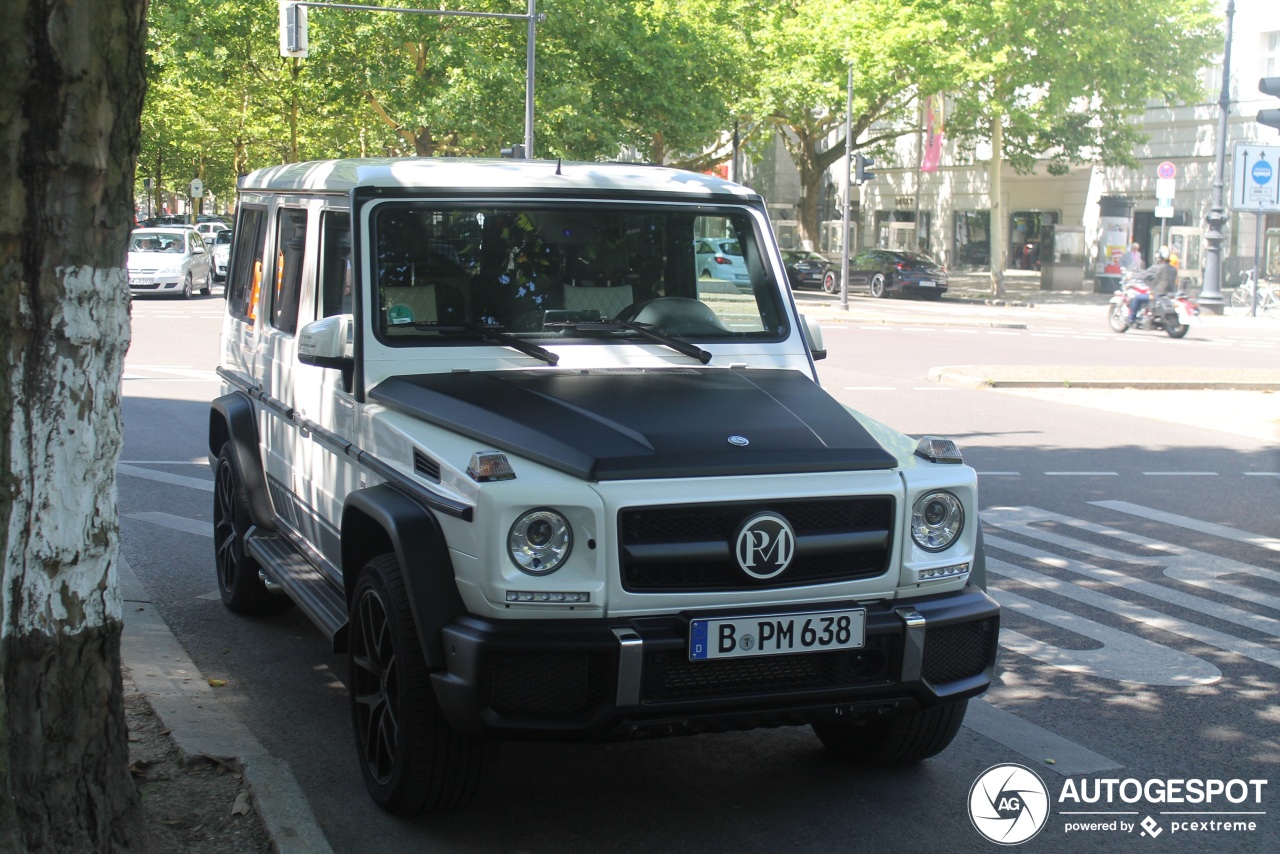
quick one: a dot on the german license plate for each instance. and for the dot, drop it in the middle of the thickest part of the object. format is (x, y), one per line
(141, 280)
(777, 634)
(926, 283)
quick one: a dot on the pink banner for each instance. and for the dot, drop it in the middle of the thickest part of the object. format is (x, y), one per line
(933, 133)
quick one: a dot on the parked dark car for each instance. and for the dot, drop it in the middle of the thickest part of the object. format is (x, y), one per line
(885, 272)
(810, 270)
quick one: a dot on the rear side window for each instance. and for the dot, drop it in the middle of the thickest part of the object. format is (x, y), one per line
(248, 246)
(291, 241)
(336, 275)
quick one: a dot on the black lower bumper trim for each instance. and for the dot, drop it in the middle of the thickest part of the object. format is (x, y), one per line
(572, 680)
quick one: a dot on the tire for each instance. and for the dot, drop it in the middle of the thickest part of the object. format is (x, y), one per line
(899, 740)
(411, 758)
(1118, 318)
(830, 283)
(208, 284)
(1176, 330)
(1242, 299)
(878, 289)
(187, 287)
(239, 583)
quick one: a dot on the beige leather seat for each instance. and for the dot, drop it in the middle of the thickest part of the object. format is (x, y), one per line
(607, 301)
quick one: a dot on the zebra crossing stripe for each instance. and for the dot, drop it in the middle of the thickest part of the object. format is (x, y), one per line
(177, 523)
(1212, 528)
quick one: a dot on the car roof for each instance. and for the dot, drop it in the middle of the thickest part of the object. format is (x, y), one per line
(456, 173)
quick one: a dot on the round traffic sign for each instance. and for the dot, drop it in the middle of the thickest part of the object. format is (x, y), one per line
(1166, 170)
(1261, 172)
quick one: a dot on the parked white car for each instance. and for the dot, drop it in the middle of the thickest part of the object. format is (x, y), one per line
(221, 251)
(208, 230)
(171, 260)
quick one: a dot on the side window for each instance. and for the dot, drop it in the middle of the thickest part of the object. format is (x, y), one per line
(244, 279)
(291, 241)
(197, 244)
(337, 276)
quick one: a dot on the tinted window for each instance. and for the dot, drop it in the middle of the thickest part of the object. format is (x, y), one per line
(291, 242)
(336, 274)
(244, 279)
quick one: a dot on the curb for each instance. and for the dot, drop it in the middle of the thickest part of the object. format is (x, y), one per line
(199, 722)
(947, 376)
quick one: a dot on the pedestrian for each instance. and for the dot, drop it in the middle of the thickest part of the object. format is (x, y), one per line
(1131, 261)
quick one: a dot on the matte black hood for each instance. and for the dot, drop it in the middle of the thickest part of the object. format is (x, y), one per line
(621, 424)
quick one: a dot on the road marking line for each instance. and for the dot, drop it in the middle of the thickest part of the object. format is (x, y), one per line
(930, 388)
(1035, 742)
(1122, 657)
(1180, 473)
(961, 331)
(1082, 474)
(204, 463)
(1045, 335)
(999, 474)
(870, 388)
(1133, 612)
(1224, 531)
(1195, 568)
(1262, 474)
(177, 523)
(166, 477)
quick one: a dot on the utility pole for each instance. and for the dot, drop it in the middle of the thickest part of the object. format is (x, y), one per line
(1211, 294)
(848, 190)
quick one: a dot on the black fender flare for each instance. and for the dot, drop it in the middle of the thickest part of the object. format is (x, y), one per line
(382, 518)
(231, 419)
(978, 574)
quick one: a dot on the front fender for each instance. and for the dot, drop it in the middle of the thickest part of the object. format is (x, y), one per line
(232, 420)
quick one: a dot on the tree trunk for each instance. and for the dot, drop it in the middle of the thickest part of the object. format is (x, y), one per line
(70, 98)
(997, 208)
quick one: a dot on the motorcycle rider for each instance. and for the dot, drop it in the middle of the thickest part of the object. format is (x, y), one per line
(1163, 280)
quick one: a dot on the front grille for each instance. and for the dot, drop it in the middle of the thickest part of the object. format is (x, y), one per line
(956, 652)
(671, 676)
(549, 684)
(698, 543)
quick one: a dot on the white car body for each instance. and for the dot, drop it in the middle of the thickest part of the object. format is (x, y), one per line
(168, 260)
(493, 404)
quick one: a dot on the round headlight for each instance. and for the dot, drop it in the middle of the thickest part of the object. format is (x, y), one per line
(936, 520)
(540, 541)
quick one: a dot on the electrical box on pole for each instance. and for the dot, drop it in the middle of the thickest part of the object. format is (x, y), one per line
(293, 29)
(1269, 86)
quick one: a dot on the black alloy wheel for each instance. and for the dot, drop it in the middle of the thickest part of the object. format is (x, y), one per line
(410, 757)
(878, 288)
(239, 581)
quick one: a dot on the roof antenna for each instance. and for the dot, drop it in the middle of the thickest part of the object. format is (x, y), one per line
(558, 159)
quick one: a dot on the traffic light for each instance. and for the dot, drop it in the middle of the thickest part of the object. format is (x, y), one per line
(862, 169)
(293, 29)
(1269, 86)
(515, 151)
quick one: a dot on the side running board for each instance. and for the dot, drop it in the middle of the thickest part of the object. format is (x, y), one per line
(319, 598)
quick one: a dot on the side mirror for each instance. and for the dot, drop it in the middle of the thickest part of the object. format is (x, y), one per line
(328, 343)
(813, 337)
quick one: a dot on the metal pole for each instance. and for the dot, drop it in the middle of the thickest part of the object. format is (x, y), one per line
(528, 80)
(1211, 294)
(1257, 252)
(848, 191)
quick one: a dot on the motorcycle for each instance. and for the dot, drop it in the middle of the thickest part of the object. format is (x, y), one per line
(1174, 313)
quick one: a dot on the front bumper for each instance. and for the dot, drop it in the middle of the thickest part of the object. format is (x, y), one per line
(599, 680)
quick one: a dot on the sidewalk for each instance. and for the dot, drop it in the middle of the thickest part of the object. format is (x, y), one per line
(200, 724)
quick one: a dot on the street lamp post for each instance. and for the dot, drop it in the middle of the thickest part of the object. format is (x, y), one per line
(1211, 295)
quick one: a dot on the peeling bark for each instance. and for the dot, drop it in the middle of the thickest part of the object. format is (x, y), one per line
(70, 99)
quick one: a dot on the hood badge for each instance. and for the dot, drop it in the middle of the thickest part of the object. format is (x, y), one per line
(765, 545)
(740, 441)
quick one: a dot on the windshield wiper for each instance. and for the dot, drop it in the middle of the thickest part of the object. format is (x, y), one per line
(492, 333)
(644, 330)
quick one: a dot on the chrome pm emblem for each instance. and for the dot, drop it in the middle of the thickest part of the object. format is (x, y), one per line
(765, 545)
(740, 441)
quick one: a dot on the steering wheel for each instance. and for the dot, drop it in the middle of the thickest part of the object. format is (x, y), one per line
(674, 316)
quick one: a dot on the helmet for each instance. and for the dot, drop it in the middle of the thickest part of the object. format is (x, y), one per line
(1164, 253)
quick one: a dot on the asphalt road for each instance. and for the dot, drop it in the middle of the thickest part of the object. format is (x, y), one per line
(1137, 557)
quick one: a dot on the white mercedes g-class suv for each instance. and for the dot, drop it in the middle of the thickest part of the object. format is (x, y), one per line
(489, 426)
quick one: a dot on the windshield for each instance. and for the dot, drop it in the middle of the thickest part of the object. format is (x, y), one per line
(158, 242)
(578, 273)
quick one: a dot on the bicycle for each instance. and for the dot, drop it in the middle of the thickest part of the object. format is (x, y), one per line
(1243, 295)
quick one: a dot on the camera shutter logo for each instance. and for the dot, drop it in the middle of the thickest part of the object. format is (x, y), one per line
(1008, 804)
(765, 545)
